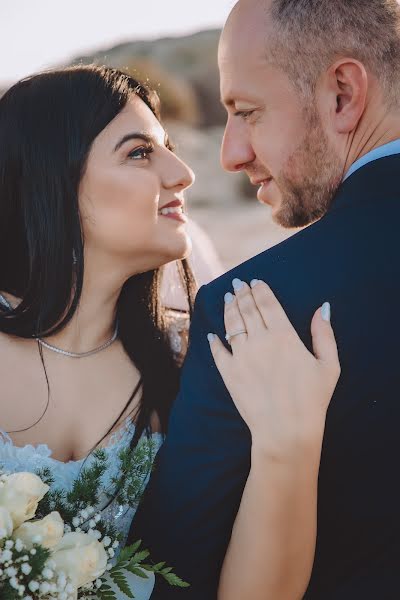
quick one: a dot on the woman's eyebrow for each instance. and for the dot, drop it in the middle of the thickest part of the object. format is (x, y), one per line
(137, 135)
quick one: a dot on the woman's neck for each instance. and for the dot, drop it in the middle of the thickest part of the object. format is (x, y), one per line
(94, 320)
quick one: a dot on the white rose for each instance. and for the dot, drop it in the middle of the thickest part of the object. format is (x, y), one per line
(50, 529)
(6, 524)
(21, 494)
(80, 557)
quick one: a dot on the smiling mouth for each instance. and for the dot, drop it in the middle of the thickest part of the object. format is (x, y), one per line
(262, 182)
(174, 212)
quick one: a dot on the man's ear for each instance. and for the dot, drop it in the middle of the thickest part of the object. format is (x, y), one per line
(347, 87)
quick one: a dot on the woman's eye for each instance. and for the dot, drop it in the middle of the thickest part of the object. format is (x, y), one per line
(142, 153)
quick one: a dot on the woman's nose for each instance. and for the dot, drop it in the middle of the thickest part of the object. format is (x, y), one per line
(178, 174)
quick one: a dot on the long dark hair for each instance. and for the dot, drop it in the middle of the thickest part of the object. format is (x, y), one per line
(48, 123)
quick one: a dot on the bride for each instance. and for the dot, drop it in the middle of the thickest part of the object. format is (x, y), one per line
(92, 206)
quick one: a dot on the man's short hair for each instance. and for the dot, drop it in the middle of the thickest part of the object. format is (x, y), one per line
(308, 35)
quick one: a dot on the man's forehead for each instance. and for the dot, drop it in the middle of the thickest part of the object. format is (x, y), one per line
(243, 40)
(241, 76)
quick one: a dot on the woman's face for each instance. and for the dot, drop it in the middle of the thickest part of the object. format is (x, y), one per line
(131, 176)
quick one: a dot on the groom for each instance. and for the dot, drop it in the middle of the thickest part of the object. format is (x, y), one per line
(312, 92)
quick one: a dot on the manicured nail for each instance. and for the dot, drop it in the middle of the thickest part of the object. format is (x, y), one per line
(237, 284)
(211, 337)
(254, 282)
(326, 312)
(229, 298)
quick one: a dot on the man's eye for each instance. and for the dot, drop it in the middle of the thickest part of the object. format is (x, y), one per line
(142, 153)
(244, 114)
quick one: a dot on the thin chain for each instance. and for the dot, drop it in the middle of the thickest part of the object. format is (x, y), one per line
(65, 352)
(80, 354)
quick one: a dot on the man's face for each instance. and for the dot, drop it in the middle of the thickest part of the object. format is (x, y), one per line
(272, 133)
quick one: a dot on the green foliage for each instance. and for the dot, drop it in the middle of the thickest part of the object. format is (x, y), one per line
(85, 490)
(7, 592)
(38, 560)
(131, 559)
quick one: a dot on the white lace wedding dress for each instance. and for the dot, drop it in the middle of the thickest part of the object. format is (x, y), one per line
(32, 458)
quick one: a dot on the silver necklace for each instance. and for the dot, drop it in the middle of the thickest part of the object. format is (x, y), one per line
(66, 352)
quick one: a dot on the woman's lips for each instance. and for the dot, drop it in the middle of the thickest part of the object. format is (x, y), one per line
(174, 212)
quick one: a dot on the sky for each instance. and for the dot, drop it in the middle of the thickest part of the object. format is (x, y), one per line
(36, 34)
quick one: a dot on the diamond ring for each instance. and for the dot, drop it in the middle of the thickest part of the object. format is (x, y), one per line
(229, 336)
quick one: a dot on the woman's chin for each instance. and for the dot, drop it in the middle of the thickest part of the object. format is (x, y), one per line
(183, 250)
(178, 251)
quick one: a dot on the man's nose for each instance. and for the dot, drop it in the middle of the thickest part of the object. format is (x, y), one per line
(236, 150)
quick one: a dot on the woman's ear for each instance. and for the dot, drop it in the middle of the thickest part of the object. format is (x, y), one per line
(347, 85)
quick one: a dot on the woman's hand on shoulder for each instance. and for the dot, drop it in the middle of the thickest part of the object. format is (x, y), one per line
(281, 390)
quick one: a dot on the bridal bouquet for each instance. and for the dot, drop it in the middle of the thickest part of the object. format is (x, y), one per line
(56, 545)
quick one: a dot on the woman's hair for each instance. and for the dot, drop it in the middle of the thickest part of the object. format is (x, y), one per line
(48, 123)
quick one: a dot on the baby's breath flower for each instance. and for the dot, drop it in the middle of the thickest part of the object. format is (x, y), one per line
(106, 541)
(33, 586)
(11, 572)
(47, 573)
(44, 587)
(33, 551)
(37, 539)
(26, 568)
(6, 555)
(96, 534)
(19, 546)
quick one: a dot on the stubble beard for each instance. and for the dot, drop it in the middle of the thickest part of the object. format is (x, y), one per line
(310, 178)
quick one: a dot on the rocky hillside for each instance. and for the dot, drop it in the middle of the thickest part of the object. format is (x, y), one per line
(188, 62)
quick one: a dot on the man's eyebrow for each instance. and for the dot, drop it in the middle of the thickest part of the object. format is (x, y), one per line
(227, 102)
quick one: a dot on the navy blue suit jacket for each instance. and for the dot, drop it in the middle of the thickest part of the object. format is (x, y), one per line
(351, 258)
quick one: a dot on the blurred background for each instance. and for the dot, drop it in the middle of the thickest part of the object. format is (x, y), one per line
(173, 46)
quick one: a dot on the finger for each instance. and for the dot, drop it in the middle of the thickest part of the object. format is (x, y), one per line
(220, 354)
(234, 320)
(268, 306)
(324, 342)
(248, 308)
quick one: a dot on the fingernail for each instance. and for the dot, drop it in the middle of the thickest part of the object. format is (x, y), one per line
(326, 312)
(229, 298)
(254, 282)
(211, 337)
(237, 284)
